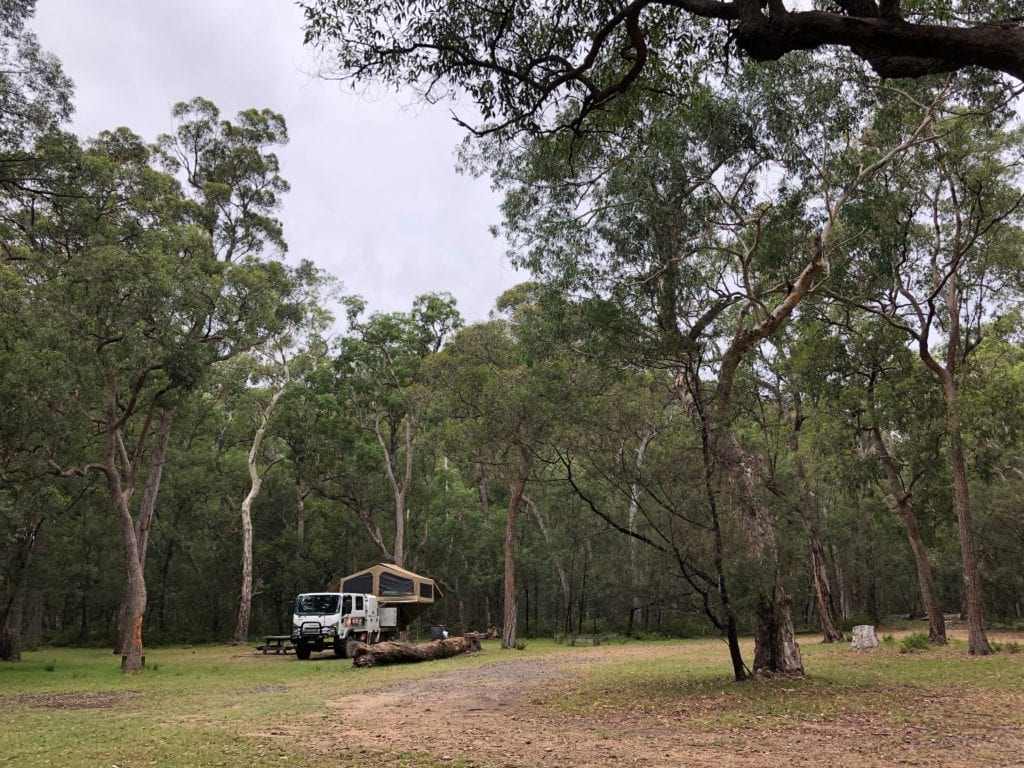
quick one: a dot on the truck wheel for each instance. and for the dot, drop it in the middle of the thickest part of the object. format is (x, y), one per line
(302, 650)
(340, 648)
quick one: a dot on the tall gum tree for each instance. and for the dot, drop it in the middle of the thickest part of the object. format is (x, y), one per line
(35, 98)
(108, 253)
(507, 397)
(129, 285)
(789, 407)
(695, 237)
(265, 374)
(859, 378)
(378, 377)
(945, 263)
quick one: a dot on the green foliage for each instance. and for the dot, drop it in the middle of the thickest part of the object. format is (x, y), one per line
(35, 93)
(918, 641)
(539, 68)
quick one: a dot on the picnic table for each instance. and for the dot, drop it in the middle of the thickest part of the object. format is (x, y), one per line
(277, 644)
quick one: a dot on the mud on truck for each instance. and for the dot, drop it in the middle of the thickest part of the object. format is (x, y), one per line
(368, 607)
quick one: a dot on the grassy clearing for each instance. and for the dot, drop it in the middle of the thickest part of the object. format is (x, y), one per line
(203, 706)
(884, 684)
(227, 706)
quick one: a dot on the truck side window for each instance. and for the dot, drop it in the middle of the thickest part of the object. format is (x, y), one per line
(346, 605)
(359, 602)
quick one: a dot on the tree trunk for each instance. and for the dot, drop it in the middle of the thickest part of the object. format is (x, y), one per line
(14, 612)
(692, 384)
(634, 543)
(977, 641)
(400, 486)
(399, 548)
(831, 628)
(133, 606)
(10, 627)
(508, 630)
(255, 484)
(844, 597)
(832, 631)
(245, 594)
(775, 646)
(900, 499)
(142, 527)
(405, 653)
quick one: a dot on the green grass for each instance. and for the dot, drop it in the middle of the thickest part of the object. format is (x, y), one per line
(227, 706)
(203, 706)
(695, 687)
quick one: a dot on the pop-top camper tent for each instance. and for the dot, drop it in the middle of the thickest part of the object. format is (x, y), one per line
(409, 591)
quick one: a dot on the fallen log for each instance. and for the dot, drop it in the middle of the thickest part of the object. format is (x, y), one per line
(405, 653)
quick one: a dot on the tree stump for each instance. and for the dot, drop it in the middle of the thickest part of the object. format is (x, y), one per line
(406, 653)
(864, 638)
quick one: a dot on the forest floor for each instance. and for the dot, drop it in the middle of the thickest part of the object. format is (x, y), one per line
(634, 705)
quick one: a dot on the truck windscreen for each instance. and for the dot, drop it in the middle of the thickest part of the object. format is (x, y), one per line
(308, 605)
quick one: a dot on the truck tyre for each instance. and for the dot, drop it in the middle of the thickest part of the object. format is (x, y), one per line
(302, 650)
(340, 648)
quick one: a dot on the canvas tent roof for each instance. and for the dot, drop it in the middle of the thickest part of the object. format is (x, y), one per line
(413, 592)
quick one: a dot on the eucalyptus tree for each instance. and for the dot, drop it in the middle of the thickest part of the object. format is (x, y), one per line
(690, 229)
(35, 99)
(941, 263)
(533, 66)
(786, 405)
(379, 378)
(231, 174)
(35, 95)
(906, 443)
(265, 374)
(90, 281)
(135, 307)
(992, 410)
(508, 398)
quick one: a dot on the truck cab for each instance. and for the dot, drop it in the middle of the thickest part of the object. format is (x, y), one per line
(338, 620)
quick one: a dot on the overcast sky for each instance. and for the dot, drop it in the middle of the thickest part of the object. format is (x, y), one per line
(375, 199)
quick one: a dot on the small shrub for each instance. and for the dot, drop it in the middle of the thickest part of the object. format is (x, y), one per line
(50, 666)
(888, 641)
(915, 642)
(1010, 647)
(521, 645)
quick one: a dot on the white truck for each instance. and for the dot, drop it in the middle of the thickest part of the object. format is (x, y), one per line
(338, 620)
(368, 606)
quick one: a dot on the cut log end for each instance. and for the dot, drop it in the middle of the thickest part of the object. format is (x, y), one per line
(406, 653)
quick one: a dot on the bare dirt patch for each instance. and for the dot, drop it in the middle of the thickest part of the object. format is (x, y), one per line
(69, 701)
(507, 714)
